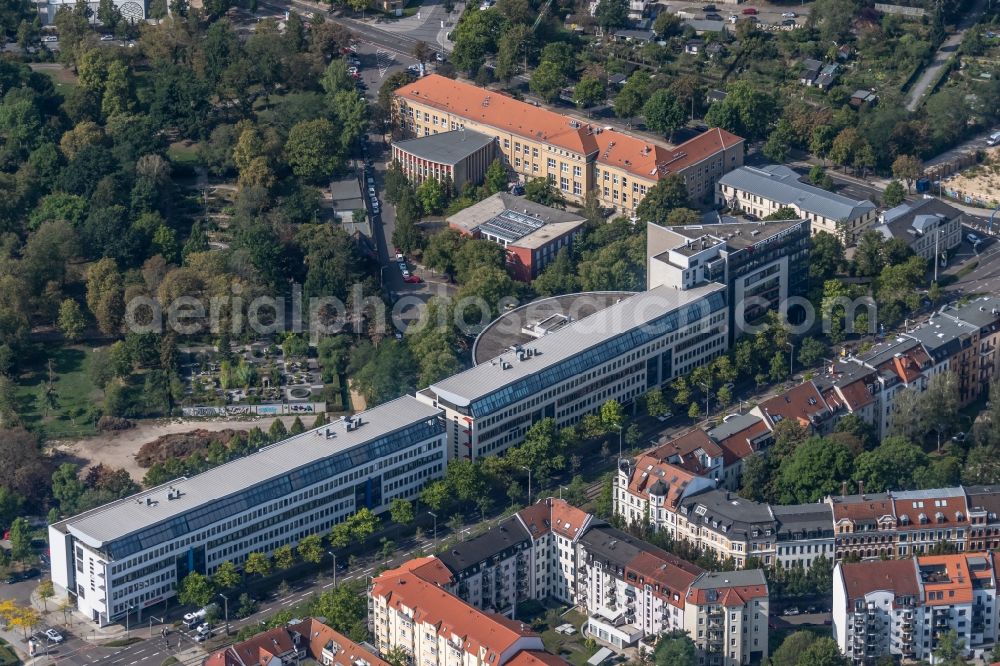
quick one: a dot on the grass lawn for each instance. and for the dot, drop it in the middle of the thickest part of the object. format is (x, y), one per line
(7, 656)
(571, 648)
(71, 412)
(62, 78)
(183, 152)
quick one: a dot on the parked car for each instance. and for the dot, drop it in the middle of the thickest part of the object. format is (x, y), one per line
(412, 279)
(371, 190)
(750, 11)
(708, 8)
(788, 22)
(399, 256)
(107, 37)
(788, 15)
(713, 17)
(53, 636)
(50, 38)
(733, 18)
(664, 417)
(402, 266)
(992, 141)
(439, 56)
(791, 611)
(972, 238)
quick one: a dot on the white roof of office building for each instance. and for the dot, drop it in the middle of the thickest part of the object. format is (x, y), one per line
(126, 516)
(776, 182)
(568, 341)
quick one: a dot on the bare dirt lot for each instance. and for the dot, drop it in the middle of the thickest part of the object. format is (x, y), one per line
(118, 449)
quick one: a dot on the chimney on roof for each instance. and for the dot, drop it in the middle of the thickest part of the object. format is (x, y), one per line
(861, 489)
(843, 488)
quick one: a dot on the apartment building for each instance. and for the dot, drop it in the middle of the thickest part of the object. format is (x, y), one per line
(762, 265)
(630, 589)
(864, 526)
(929, 226)
(728, 526)
(132, 553)
(984, 527)
(739, 436)
(411, 610)
(576, 156)
(531, 234)
(651, 490)
(303, 642)
(900, 608)
(803, 533)
(726, 615)
(617, 353)
(803, 403)
(762, 191)
(531, 555)
(929, 518)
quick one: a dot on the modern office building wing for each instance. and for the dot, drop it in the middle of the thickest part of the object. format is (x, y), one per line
(132, 553)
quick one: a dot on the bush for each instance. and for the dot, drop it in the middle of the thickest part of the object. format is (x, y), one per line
(106, 423)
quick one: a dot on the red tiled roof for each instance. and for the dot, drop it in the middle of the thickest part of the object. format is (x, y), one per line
(650, 471)
(263, 647)
(431, 605)
(856, 509)
(668, 575)
(730, 596)
(430, 569)
(536, 658)
(639, 156)
(896, 576)
(743, 444)
(567, 520)
(537, 519)
(800, 402)
(682, 451)
(948, 511)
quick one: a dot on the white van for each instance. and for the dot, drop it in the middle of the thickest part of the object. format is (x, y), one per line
(994, 139)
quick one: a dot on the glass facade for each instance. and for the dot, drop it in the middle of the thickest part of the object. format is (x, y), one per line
(275, 488)
(598, 354)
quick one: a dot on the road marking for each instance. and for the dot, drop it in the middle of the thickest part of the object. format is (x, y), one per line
(384, 60)
(328, 585)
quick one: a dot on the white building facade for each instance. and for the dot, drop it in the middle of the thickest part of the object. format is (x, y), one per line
(133, 553)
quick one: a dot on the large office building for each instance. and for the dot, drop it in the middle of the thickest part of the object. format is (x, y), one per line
(576, 156)
(131, 554)
(762, 191)
(454, 158)
(761, 264)
(901, 608)
(617, 353)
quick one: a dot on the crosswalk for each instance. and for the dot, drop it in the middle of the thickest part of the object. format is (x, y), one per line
(385, 60)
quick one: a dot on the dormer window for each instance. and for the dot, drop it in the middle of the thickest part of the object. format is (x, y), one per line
(922, 519)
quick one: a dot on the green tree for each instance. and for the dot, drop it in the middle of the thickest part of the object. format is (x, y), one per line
(811, 351)
(655, 403)
(20, 539)
(71, 321)
(541, 191)
(823, 652)
(629, 101)
(675, 649)
(345, 608)
(401, 511)
(119, 97)
(791, 649)
(667, 24)
(257, 564)
(745, 111)
(195, 590)
(436, 495)
(547, 80)
(284, 557)
(816, 468)
(908, 169)
(779, 142)
(363, 524)
(588, 92)
(611, 14)
(46, 590)
(612, 415)
(894, 194)
(432, 195)
(668, 194)
(313, 150)
(496, 177)
(892, 465)
(226, 577)
(310, 548)
(663, 113)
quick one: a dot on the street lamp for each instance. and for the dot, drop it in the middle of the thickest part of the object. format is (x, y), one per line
(529, 483)
(128, 610)
(937, 257)
(620, 426)
(334, 556)
(151, 618)
(225, 600)
(434, 515)
(708, 391)
(791, 360)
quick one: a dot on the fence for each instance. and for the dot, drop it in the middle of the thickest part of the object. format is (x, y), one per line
(259, 410)
(900, 9)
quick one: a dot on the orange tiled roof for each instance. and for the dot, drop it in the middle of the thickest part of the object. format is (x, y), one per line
(946, 579)
(949, 511)
(636, 155)
(867, 509)
(449, 615)
(567, 520)
(682, 450)
(668, 575)
(800, 402)
(311, 634)
(536, 658)
(649, 471)
(742, 444)
(430, 569)
(731, 596)
(537, 519)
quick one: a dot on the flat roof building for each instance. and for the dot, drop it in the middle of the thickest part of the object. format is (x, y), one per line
(619, 352)
(459, 157)
(135, 551)
(761, 191)
(531, 234)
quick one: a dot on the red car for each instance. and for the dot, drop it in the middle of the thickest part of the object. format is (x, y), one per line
(750, 11)
(412, 279)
